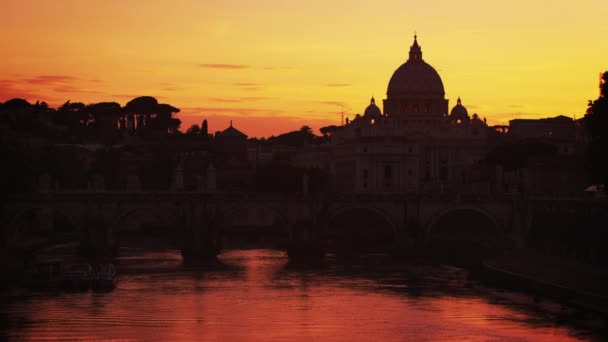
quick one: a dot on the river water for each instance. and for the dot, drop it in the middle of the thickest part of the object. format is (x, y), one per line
(254, 295)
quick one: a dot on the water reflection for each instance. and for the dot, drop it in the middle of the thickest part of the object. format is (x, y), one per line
(256, 295)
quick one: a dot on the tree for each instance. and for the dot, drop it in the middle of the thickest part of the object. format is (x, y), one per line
(193, 130)
(596, 123)
(205, 130)
(141, 109)
(306, 129)
(105, 116)
(164, 120)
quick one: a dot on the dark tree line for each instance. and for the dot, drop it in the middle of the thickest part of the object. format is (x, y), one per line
(77, 122)
(596, 123)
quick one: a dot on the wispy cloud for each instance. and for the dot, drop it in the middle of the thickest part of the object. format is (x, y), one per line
(172, 88)
(72, 89)
(10, 89)
(278, 68)
(224, 66)
(51, 79)
(235, 111)
(332, 103)
(231, 66)
(247, 84)
(238, 99)
(132, 96)
(337, 84)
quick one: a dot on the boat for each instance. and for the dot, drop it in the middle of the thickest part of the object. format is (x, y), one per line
(78, 276)
(104, 277)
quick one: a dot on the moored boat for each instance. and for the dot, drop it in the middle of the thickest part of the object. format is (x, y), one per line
(104, 277)
(78, 277)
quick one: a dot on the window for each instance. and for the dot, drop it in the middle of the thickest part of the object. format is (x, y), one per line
(388, 172)
(443, 173)
(388, 176)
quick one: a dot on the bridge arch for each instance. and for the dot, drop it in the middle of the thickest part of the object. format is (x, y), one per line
(235, 212)
(46, 221)
(364, 228)
(463, 235)
(133, 219)
(462, 211)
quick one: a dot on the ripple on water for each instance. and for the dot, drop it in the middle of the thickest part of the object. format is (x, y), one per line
(256, 296)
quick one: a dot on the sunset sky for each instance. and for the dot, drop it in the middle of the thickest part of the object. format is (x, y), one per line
(274, 65)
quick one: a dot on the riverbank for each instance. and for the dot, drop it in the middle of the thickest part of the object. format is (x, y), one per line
(571, 282)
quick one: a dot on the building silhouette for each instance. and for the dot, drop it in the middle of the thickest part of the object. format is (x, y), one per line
(415, 145)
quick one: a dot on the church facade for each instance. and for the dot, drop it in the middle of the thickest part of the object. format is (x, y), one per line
(415, 145)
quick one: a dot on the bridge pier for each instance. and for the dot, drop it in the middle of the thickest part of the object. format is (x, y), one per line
(305, 243)
(97, 239)
(200, 241)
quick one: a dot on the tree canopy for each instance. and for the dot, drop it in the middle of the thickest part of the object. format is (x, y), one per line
(596, 124)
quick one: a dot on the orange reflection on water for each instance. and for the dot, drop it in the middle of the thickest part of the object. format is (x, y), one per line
(257, 299)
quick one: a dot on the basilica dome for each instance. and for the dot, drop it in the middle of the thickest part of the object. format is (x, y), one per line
(415, 77)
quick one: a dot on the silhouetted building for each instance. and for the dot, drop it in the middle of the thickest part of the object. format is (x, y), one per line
(414, 146)
(231, 143)
(559, 127)
(234, 171)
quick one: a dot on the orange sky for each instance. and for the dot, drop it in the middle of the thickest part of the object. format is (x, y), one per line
(274, 65)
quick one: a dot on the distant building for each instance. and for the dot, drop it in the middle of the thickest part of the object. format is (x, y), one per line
(231, 159)
(559, 127)
(416, 145)
(231, 144)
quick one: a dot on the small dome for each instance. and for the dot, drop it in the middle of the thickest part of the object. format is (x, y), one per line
(372, 110)
(459, 111)
(231, 132)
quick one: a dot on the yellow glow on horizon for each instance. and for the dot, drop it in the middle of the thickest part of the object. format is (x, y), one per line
(275, 65)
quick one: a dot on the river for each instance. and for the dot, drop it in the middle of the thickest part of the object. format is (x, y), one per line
(254, 295)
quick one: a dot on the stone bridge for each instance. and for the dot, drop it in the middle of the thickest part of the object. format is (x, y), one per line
(199, 217)
(412, 220)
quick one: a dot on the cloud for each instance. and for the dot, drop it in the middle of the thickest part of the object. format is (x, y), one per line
(238, 99)
(132, 96)
(234, 111)
(332, 103)
(337, 84)
(172, 88)
(278, 68)
(51, 79)
(219, 99)
(10, 89)
(271, 123)
(224, 66)
(71, 89)
(247, 84)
